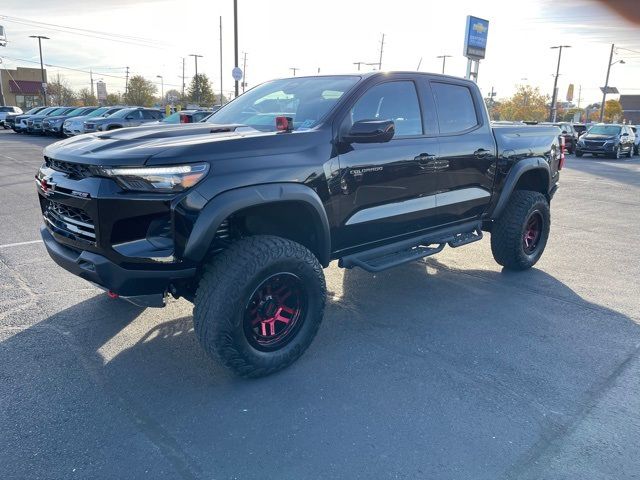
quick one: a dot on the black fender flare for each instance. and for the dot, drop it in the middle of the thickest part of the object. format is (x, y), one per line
(516, 171)
(231, 201)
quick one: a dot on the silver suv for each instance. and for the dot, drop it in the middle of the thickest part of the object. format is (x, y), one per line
(127, 117)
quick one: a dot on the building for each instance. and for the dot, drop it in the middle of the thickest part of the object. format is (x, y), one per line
(630, 108)
(22, 87)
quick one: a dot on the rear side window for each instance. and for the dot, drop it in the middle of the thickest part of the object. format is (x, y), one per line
(150, 115)
(397, 101)
(456, 111)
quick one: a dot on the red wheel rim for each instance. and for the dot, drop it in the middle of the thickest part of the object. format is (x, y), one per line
(532, 233)
(275, 312)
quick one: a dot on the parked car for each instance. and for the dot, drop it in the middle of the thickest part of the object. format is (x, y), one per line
(127, 117)
(580, 128)
(14, 121)
(75, 126)
(52, 125)
(4, 111)
(569, 134)
(186, 116)
(35, 122)
(609, 140)
(240, 214)
(22, 126)
(636, 144)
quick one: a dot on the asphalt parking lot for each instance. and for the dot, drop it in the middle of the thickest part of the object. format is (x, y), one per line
(443, 369)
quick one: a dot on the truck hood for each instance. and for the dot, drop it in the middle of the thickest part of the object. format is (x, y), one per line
(138, 145)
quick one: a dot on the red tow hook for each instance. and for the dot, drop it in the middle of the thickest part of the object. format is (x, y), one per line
(112, 295)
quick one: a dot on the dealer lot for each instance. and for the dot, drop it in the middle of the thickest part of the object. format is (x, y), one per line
(447, 368)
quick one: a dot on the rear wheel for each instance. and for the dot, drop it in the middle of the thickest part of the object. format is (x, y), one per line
(259, 304)
(520, 235)
(579, 153)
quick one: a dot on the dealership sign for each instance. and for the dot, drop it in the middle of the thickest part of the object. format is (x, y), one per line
(475, 38)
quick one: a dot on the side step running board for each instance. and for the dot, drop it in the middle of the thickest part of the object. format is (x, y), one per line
(387, 256)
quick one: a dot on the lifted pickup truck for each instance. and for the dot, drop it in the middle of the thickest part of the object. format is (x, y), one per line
(239, 215)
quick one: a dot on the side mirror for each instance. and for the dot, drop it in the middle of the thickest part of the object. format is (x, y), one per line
(625, 134)
(564, 132)
(371, 131)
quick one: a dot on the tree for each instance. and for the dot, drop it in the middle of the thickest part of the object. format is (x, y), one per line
(173, 96)
(86, 97)
(201, 91)
(114, 99)
(526, 104)
(612, 111)
(141, 92)
(60, 93)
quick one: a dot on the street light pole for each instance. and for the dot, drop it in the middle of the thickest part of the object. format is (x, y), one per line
(554, 97)
(444, 60)
(196, 56)
(44, 89)
(294, 69)
(161, 87)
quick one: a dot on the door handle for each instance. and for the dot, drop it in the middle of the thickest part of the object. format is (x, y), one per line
(425, 158)
(482, 153)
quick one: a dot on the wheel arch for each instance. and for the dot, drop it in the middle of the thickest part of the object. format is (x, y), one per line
(282, 201)
(528, 174)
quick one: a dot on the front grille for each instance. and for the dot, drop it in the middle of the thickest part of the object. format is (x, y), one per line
(74, 170)
(46, 124)
(71, 222)
(592, 143)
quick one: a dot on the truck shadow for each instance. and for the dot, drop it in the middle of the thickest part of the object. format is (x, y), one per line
(419, 364)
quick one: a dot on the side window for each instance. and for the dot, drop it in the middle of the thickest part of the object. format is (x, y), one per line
(148, 115)
(397, 101)
(135, 115)
(456, 111)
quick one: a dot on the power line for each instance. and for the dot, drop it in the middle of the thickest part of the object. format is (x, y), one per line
(99, 74)
(89, 33)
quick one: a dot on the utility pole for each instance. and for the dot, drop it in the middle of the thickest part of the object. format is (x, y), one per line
(91, 77)
(579, 94)
(294, 69)
(244, 71)
(235, 41)
(44, 83)
(606, 82)
(161, 88)
(196, 56)
(554, 98)
(126, 85)
(381, 50)
(221, 95)
(491, 97)
(182, 80)
(359, 63)
(419, 63)
(444, 60)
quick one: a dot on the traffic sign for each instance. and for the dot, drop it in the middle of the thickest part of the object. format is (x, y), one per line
(236, 73)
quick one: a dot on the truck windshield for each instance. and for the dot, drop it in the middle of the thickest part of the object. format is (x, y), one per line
(604, 130)
(306, 99)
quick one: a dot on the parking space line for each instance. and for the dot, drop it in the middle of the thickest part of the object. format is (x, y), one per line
(19, 244)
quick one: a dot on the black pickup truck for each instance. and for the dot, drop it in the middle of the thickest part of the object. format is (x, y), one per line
(240, 214)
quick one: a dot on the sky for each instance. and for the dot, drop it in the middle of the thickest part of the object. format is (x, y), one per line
(152, 37)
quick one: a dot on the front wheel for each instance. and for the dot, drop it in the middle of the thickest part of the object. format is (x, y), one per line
(630, 152)
(259, 304)
(520, 235)
(579, 153)
(617, 153)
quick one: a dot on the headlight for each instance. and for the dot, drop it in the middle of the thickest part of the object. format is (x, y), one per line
(157, 179)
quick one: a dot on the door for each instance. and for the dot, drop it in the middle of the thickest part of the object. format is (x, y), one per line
(467, 161)
(134, 118)
(387, 189)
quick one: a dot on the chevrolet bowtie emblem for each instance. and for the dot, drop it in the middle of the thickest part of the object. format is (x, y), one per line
(479, 27)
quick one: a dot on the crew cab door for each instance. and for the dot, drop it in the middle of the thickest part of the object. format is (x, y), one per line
(467, 161)
(387, 189)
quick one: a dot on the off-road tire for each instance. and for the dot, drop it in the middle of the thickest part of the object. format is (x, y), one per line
(507, 233)
(227, 284)
(617, 153)
(630, 153)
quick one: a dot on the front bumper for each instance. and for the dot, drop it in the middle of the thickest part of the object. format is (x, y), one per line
(107, 274)
(602, 149)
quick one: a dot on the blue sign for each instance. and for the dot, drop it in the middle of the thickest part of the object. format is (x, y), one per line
(475, 37)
